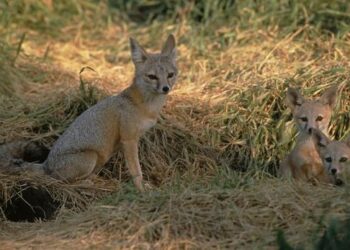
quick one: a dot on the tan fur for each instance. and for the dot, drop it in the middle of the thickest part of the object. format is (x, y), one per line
(116, 122)
(304, 162)
(335, 155)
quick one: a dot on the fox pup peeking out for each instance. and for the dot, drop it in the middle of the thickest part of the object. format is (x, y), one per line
(115, 122)
(304, 162)
(335, 156)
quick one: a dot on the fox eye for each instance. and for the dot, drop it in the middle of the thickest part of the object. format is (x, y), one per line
(319, 118)
(170, 75)
(328, 159)
(343, 159)
(304, 119)
(152, 77)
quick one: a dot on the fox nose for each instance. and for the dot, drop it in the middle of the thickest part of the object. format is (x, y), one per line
(165, 89)
(310, 126)
(334, 171)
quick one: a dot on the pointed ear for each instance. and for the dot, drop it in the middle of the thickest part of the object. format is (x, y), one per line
(169, 48)
(347, 141)
(329, 97)
(294, 98)
(138, 54)
(320, 139)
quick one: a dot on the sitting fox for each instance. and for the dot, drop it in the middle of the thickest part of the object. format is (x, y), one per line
(304, 162)
(115, 122)
(335, 156)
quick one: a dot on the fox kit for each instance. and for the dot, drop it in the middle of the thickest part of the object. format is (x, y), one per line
(304, 161)
(335, 156)
(116, 122)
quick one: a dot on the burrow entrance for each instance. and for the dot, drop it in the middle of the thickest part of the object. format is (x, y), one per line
(31, 199)
(30, 204)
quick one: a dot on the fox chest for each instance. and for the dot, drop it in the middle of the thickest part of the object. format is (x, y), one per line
(311, 164)
(311, 157)
(146, 124)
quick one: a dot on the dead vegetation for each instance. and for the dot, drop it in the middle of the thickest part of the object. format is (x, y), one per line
(214, 152)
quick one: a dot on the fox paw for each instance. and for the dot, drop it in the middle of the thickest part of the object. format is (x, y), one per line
(141, 185)
(86, 182)
(148, 186)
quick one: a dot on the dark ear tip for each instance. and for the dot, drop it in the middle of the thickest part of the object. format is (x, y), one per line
(132, 40)
(171, 38)
(292, 91)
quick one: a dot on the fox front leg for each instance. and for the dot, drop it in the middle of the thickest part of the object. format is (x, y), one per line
(130, 149)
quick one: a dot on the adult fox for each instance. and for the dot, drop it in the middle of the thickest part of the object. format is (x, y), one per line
(115, 122)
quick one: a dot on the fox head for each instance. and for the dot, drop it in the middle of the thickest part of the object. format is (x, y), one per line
(155, 73)
(312, 114)
(335, 155)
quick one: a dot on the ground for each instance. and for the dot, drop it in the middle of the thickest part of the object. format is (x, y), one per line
(213, 155)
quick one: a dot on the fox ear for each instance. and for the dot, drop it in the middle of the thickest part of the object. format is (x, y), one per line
(169, 47)
(347, 141)
(138, 54)
(319, 138)
(294, 98)
(329, 97)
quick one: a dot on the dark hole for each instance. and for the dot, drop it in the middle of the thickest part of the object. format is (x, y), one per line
(30, 204)
(35, 152)
(339, 182)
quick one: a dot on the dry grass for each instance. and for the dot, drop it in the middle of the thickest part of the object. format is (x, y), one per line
(226, 114)
(244, 214)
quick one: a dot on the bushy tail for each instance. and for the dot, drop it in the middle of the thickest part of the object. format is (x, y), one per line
(21, 156)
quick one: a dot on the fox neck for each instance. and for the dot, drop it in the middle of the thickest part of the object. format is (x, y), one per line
(306, 134)
(150, 102)
(305, 138)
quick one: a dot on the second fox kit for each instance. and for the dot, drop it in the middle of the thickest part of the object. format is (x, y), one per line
(304, 161)
(335, 155)
(116, 122)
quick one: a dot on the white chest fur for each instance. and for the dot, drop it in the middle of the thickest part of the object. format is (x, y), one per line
(146, 124)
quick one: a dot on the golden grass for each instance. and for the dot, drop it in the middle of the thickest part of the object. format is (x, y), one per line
(203, 215)
(225, 114)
